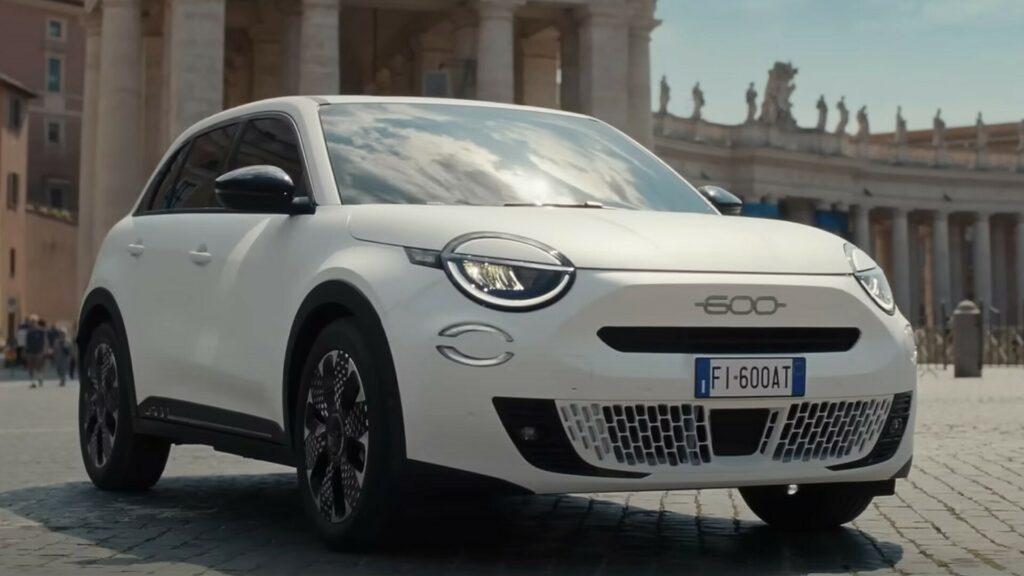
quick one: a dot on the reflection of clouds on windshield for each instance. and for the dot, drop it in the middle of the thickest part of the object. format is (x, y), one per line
(413, 153)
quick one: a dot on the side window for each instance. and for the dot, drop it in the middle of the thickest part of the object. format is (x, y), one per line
(272, 141)
(201, 164)
(165, 181)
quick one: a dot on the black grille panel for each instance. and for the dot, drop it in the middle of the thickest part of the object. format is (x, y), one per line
(704, 340)
(892, 434)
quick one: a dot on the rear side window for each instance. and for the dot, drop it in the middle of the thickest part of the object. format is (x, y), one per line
(188, 185)
(272, 141)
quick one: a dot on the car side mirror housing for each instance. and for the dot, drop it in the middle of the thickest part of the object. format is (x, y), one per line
(726, 202)
(260, 188)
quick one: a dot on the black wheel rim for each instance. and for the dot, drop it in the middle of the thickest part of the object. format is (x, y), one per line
(337, 436)
(102, 402)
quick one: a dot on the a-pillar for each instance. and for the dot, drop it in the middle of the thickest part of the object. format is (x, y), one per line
(983, 262)
(604, 61)
(87, 160)
(901, 260)
(118, 172)
(641, 124)
(495, 63)
(196, 59)
(862, 228)
(319, 48)
(941, 266)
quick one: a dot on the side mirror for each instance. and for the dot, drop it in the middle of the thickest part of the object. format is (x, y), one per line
(726, 202)
(261, 188)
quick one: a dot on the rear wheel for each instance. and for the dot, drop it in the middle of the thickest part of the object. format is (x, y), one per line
(114, 456)
(810, 507)
(346, 475)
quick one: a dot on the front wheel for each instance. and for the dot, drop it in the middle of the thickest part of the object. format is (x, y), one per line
(809, 507)
(343, 420)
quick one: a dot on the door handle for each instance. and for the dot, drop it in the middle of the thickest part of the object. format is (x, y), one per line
(200, 256)
(136, 248)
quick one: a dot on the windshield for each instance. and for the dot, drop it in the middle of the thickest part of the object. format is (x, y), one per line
(400, 153)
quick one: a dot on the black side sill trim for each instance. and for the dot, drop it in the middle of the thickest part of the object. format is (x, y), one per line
(551, 451)
(227, 431)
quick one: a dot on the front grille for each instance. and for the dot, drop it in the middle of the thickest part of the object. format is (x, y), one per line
(830, 430)
(705, 340)
(640, 434)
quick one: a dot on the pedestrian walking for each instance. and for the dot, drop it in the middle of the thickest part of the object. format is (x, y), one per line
(62, 355)
(35, 348)
(20, 337)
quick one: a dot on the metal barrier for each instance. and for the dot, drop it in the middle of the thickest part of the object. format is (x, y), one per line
(1001, 346)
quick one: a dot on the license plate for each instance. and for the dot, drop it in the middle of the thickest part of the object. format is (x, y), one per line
(749, 377)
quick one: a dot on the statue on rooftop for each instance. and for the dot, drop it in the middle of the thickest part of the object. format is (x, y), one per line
(938, 130)
(900, 137)
(698, 101)
(863, 130)
(664, 96)
(844, 116)
(777, 107)
(822, 114)
(981, 133)
(751, 102)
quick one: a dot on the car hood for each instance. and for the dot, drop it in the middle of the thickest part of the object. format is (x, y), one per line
(618, 239)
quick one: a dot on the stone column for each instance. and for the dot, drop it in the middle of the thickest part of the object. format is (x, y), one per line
(319, 49)
(495, 60)
(153, 137)
(901, 260)
(464, 79)
(87, 197)
(569, 60)
(983, 262)
(604, 61)
(862, 228)
(1019, 237)
(539, 69)
(941, 264)
(196, 60)
(118, 176)
(641, 123)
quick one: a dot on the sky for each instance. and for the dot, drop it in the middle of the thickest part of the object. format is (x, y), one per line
(964, 56)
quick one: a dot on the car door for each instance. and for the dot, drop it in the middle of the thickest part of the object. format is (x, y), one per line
(246, 269)
(167, 257)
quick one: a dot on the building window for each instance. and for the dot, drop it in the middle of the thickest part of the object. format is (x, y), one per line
(15, 113)
(55, 29)
(54, 73)
(54, 132)
(12, 191)
(14, 261)
(56, 197)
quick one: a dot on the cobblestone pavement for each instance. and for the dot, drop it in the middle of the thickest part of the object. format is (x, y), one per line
(960, 512)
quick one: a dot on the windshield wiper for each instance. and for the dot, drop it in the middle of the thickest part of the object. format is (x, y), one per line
(587, 204)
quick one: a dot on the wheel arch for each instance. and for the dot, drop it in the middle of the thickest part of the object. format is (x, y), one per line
(329, 301)
(99, 307)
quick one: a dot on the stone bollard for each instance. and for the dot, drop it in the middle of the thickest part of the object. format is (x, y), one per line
(967, 340)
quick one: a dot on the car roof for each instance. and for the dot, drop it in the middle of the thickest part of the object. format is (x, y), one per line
(298, 103)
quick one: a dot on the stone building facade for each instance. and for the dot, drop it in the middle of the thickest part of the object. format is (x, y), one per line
(154, 67)
(42, 46)
(944, 219)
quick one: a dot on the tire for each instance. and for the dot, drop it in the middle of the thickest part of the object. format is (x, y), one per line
(812, 507)
(115, 457)
(348, 456)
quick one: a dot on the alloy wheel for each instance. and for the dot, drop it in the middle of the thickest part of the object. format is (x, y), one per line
(102, 402)
(336, 436)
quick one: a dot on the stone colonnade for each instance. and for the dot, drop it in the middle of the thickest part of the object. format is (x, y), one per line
(149, 78)
(934, 258)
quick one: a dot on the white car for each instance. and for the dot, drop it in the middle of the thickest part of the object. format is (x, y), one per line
(393, 294)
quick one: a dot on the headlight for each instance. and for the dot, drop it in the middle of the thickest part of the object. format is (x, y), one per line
(502, 271)
(871, 278)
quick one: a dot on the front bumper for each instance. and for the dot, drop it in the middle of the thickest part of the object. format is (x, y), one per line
(451, 420)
